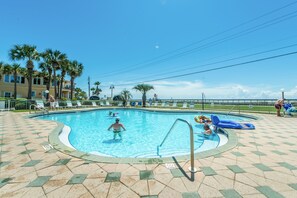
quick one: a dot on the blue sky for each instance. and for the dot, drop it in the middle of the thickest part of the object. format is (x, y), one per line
(133, 41)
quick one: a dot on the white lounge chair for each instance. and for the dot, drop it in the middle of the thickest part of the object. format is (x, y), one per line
(107, 103)
(40, 106)
(163, 104)
(94, 104)
(185, 105)
(101, 103)
(156, 104)
(120, 104)
(69, 104)
(57, 106)
(192, 105)
(78, 104)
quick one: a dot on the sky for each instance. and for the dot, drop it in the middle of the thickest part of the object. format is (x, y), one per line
(224, 49)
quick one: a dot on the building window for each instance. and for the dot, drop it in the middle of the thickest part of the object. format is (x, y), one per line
(6, 78)
(22, 79)
(7, 94)
(33, 93)
(12, 79)
(37, 81)
(44, 81)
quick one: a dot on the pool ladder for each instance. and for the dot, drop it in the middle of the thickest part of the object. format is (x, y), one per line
(192, 167)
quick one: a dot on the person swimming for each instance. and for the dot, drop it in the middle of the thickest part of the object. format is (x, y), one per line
(117, 126)
(113, 114)
(207, 130)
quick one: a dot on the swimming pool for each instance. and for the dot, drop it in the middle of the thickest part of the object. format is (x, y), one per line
(145, 131)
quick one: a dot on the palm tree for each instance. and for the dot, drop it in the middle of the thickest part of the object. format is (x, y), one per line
(64, 68)
(75, 70)
(93, 90)
(97, 90)
(56, 58)
(143, 88)
(58, 80)
(126, 96)
(47, 71)
(80, 94)
(13, 69)
(29, 53)
(1, 69)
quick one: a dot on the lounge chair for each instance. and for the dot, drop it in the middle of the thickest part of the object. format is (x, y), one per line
(78, 104)
(289, 109)
(185, 105)
(156, 104)
(107, 103)
(163, 104)
(57, 106)
(69, 104)
(40, 106)
(120, 104)
(192, 105)
(101, 103)
(94, 104)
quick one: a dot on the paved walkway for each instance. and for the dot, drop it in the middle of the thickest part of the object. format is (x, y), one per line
(263, 164)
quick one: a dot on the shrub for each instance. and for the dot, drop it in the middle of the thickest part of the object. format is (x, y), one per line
(20, 105)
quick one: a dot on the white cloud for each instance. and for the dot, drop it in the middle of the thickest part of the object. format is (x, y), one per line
(194, 90)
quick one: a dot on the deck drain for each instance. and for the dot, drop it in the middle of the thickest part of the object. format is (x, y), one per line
(47, 147)
(170, 166)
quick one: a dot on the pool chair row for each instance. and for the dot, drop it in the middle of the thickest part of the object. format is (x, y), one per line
(173, 105)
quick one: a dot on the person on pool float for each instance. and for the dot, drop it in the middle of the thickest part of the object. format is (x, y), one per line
(278, 105)
(202, 119)
(207, 130)
(117, 126)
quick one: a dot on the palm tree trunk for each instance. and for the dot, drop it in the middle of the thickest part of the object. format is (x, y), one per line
(58, 89)
(15, 85)
(55, 84)
(30, 84)
(72, 83)
(48, 85)
(143, 99)
(61, 85)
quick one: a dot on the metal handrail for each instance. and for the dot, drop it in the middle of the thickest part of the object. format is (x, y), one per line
(191, 168)
(231, 109)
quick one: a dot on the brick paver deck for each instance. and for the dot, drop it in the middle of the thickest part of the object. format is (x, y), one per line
(263, 164)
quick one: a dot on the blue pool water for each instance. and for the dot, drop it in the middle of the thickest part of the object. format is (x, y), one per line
(145, 131)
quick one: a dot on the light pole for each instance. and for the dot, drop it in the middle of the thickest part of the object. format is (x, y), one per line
(111, 89)
(202, 101)
(283, 93)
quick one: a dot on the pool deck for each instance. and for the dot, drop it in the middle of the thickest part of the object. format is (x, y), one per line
(262, 164)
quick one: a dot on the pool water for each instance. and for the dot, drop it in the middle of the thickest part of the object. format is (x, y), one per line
(145, 131)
